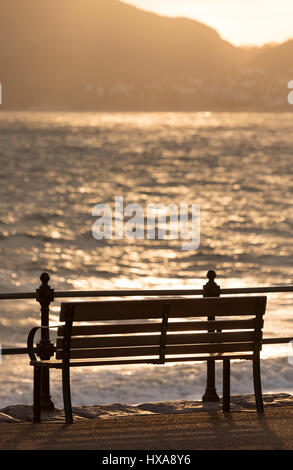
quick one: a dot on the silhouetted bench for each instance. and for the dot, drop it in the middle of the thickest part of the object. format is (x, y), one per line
(161, 330)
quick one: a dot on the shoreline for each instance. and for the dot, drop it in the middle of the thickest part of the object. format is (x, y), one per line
(18, 414)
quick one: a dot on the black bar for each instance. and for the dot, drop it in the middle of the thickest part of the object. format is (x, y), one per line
(45, 348)
(163, 335)
(12, 351)
(211, 289)
(256, 290)
(226, 385)
(106, 293)
(146, 292)
(276, 340)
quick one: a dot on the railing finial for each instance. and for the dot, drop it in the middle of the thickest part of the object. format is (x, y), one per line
(211, 288)
(211, 275)
(44, 278)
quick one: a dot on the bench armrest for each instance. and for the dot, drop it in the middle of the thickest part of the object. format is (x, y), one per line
(30, 340)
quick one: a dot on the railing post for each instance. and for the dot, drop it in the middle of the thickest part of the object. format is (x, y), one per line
(45, 348)
(211, 289)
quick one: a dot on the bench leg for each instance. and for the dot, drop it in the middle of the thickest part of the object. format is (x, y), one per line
(226, 385)
(67, 395)
(37, 395)
(257, 383)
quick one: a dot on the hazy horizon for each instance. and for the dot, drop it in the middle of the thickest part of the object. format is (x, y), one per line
(262, 21)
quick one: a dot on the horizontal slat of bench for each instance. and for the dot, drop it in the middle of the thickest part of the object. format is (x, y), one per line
(154, 350)
(87, 363)
(113, 310)
(154, 340)
(139, 309)
(114, 329)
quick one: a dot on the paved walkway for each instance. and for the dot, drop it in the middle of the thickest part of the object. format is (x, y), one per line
(214, 430)
(204, 430)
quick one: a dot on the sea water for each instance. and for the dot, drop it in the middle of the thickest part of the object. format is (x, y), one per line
(55, 167)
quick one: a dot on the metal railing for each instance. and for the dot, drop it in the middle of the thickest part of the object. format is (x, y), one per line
(45, 295)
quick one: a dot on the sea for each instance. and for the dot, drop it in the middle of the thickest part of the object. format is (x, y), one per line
(56, 167)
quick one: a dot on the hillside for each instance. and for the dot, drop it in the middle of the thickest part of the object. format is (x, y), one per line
(276, 60)
(104, 54)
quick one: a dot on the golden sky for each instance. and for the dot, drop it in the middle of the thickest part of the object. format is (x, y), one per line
(239, 21)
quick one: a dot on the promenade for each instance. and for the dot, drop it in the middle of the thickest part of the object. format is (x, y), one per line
(189, 431)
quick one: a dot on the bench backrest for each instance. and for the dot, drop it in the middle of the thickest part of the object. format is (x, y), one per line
(160, 330)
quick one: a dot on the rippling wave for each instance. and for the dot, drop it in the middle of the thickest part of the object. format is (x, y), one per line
(56, 166)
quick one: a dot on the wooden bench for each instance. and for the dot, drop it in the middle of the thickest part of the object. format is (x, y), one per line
(154, 332)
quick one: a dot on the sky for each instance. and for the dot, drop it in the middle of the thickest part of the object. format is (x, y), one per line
(242, 22)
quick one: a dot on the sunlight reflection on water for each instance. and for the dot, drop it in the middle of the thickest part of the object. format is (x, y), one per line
(59, 165)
